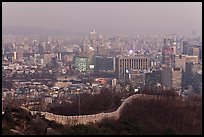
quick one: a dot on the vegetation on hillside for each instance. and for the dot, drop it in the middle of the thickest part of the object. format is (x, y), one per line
(168, 116)
(88, 104)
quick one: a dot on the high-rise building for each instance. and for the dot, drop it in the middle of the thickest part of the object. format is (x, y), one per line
(172, 77)
(86, 45)
(14, 56)
(191, 69)
(197, 82)
(93, 39)
(81, 64)
(137, 78)
(90, 59)
(40, 49)
(166, 76)
(54, 62)
(180, 62)
(48, 47)
(104, 64)
(168, 52)
(185, 47)
(176, 80)
(125, 64)
(153, 78)
(20, 54)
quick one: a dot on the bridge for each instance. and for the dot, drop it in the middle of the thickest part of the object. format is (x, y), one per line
(86, 119)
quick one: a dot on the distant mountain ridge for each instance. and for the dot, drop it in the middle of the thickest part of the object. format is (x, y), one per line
(13, 30)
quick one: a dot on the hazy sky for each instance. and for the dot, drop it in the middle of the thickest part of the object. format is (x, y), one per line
(106, 17)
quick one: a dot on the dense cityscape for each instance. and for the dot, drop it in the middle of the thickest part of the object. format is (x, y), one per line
(46, 69)
(97, 74)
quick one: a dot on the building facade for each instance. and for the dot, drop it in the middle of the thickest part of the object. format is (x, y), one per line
(104, 64)
(153, 78)
(125, 64)
(81, 64)
(172, 78)
(176, 80)
(180, 62)
(168, 55)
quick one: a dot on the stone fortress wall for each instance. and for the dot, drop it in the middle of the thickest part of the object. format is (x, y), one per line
(86, 119)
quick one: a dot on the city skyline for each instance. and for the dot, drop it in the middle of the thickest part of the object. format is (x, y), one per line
(101, 68)
(107, 18)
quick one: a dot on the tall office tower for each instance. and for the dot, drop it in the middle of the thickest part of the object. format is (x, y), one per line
(20, 53)
(104, 64)
(197, 82)
(191, 69)
(168, 53)
(34, 46)
(180, 62)
(166, 77)
(137, 78)
(14, 56)
(86, 46)
(40, 49)
(126, 64)
(185, 47)
(93, 40)
(48, 47)
(153, 78)
(81, 64)
(176, 78)
(101, 46)
(172, 77)
(100, 40)
(54, 62)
